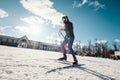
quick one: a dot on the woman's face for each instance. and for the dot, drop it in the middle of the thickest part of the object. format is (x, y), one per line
(63, 20)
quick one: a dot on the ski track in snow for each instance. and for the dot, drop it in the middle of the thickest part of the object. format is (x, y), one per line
(29, 64)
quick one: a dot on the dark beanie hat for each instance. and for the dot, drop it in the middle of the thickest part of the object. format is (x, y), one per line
(64, 17)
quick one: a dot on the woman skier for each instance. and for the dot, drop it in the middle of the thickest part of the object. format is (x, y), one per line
(69, 39)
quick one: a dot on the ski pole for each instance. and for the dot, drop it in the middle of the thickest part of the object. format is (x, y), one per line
(61, 34)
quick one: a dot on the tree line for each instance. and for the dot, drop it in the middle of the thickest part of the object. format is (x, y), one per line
(98, 49)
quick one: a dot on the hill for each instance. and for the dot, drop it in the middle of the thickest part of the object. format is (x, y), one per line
(28, 64)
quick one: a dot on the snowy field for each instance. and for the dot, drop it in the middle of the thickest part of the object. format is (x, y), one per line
(27, 64)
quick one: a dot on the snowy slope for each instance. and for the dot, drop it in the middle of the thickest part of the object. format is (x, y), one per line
(27, 64)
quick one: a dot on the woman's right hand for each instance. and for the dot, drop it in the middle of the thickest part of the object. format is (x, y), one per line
(62, 29)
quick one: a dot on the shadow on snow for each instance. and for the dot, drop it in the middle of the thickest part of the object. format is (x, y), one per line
(80, 67)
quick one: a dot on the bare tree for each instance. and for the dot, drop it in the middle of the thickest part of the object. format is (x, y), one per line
(89, 47)
(104, 47)
(115, 45)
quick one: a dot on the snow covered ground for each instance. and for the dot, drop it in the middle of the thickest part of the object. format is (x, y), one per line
(27, 64)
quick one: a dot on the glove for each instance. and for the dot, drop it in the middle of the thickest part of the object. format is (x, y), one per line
(62, 29)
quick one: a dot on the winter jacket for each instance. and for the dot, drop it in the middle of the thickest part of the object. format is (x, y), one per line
(69, 29)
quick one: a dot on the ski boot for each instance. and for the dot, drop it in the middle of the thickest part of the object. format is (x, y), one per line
(75, 62)
(63, 58)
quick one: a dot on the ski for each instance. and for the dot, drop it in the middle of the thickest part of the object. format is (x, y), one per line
(67, 62)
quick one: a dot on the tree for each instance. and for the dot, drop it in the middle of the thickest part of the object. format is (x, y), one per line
(115, 46)
(89, 47)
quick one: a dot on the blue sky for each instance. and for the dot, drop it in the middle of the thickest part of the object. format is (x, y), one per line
(40, 20)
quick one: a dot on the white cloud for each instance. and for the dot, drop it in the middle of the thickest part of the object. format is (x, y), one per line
(76, 43)
(101, 41)
(39, 27)
(76, 4)
(43, 9)
(35, 28)
(34, 25)
(1, 33)
(26, 29)
(117, 40)
(79, 44)
(54, 38)
(94, 4)
(3, 29)
(3, 13)
(33, 20)
(8, 30)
